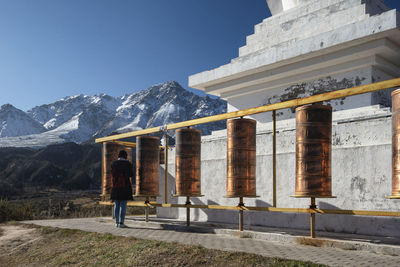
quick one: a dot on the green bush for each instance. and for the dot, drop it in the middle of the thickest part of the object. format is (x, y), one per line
(15, 211)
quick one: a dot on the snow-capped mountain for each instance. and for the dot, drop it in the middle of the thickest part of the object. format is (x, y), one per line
(54, 115)
(81, 118)
(162, 104)
(15, 122)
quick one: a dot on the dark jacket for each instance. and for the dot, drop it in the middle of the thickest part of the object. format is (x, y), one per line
(121, 171)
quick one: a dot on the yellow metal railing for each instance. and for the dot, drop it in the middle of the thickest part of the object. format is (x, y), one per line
(268, 209)
(369, 88)
(261, 109)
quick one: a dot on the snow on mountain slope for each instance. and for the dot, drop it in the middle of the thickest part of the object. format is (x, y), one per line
(15, 122)
(55, 114)
(163, 104)
(81, 118)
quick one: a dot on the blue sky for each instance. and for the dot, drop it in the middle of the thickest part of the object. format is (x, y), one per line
(54, 48)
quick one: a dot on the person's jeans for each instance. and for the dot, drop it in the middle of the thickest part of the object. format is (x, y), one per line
(119, 211)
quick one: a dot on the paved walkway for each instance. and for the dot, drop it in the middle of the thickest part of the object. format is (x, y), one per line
(322, 255)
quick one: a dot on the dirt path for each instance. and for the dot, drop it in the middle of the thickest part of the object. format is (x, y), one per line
(14, 237)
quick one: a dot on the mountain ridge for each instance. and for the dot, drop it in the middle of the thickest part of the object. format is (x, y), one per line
(15, 122)
(83, 118)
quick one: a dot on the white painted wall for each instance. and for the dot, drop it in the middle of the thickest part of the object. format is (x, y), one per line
(309, 44)
(279, 6)
(361, 171)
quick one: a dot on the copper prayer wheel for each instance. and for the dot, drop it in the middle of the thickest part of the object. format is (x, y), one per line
(110, 154)
(188, 162)
(241, 158)
(313, 151)
(396, 143)
(147, 164)
(162, 155)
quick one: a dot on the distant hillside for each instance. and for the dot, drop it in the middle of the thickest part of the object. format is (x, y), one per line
(67, 166)
(82, 118)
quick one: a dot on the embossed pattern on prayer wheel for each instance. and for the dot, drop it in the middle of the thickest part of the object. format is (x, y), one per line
(396, 143)
(188, 162)
(241, 158)
(110, 154)
(147, 164)
(313, 151)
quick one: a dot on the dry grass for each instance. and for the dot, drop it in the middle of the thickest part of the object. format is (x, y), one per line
(63, 205)
(59, 247)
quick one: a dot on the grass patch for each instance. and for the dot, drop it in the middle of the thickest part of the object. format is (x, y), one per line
(77, 248)
(1, 231)
(58, 206)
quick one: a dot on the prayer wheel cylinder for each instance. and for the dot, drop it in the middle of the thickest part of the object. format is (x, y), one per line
(313, 151)
(110, 154)
(241, 158)
(396, 143)
(147, 165)
(188, 162)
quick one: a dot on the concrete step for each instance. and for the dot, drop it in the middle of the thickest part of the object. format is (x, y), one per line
(294, 13)
(303, 28)
(271, 28)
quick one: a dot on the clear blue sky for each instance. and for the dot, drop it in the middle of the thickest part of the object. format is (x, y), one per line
(55, 48)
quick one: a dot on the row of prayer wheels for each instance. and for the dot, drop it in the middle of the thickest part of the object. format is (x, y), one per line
(151, 156)
(313, 157)
(110, 154)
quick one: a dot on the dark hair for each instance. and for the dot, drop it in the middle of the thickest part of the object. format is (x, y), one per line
(122, 154)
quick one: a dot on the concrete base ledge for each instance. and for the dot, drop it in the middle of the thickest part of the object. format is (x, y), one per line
(375, 244)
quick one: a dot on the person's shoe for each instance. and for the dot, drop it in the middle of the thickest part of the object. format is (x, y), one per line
(117, 225)
(121, 225)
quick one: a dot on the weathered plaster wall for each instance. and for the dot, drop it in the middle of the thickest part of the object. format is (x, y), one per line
(322, 85)
(361, 174)
(311, 48)
(382, 97)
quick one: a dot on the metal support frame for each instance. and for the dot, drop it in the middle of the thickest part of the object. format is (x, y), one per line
(267, 209)
(147, 207)
(274, 156)
(368, 88)
(312, 218)
(312, 210)
(188, 203)
(240, 205)
(166, 169)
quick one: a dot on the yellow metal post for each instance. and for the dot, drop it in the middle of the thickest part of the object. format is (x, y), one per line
(312, 221)
(147, 209)
(274, 156)
(188, 211)
(241, 204)
(166, 169)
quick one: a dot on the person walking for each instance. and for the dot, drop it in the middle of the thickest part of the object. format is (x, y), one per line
(121, 192)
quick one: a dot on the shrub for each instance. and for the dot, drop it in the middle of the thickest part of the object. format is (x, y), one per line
(15, 211)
